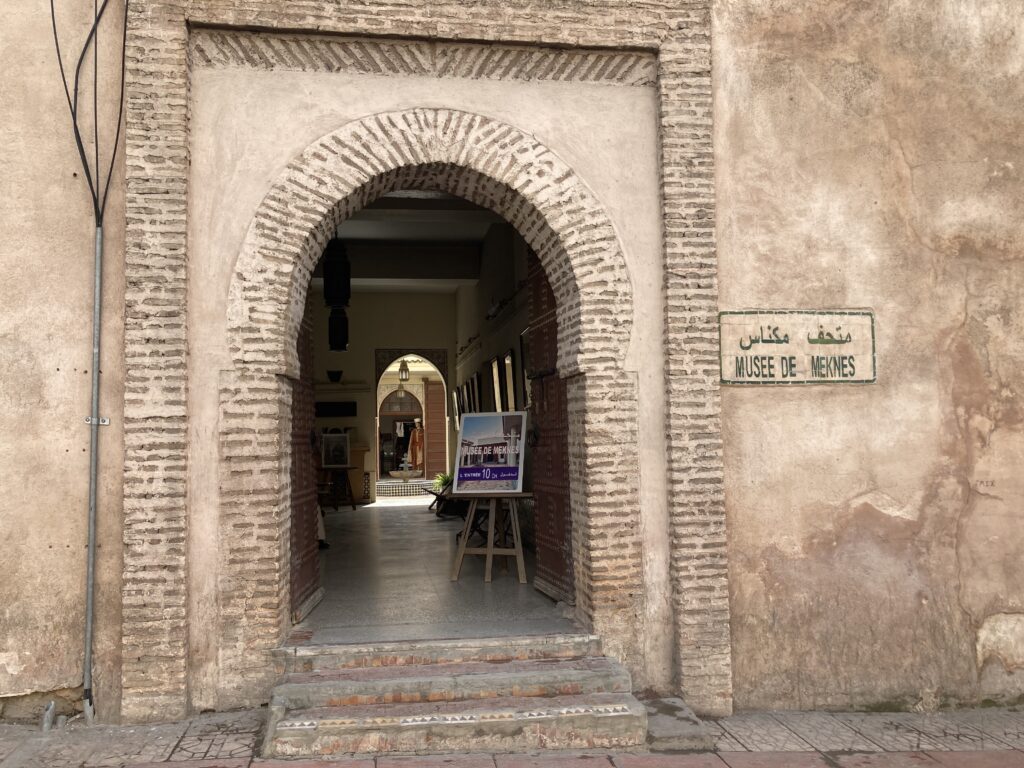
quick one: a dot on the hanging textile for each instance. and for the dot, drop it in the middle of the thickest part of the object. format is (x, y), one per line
(416, 448)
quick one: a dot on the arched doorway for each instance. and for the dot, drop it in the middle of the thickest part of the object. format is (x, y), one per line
(493, 165)
(399, 455)
(411, 395)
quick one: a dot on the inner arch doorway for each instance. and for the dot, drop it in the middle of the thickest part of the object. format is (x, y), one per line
(411, 395)
(495, 166)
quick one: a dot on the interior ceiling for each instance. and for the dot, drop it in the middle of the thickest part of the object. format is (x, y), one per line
(415, 217)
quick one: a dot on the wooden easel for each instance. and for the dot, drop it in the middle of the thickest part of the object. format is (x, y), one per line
(337, 481)
(493, 500)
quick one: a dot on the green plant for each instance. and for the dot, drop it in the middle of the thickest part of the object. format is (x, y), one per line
(441, 480)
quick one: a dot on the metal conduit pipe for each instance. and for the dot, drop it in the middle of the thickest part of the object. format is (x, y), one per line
(99, 191)
(94, 434)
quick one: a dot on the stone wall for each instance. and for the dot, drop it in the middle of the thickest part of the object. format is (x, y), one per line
(868, 155)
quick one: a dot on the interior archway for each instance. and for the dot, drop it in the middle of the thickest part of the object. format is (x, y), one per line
(498, 167)
(400, 405)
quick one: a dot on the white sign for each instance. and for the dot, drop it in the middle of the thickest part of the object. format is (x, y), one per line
(491, 452)
(797, 346)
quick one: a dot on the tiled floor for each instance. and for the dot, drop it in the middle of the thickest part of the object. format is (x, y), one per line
(769, 740)
(963, 731)
(387, 577)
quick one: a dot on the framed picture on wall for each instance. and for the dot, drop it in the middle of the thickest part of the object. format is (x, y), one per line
(510, 382)
(334, 451)
(477, 393)
(524, 346)
(499, 400)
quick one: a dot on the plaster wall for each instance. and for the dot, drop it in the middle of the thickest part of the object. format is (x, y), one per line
(869, 155)
(45, 364)
(244, 130)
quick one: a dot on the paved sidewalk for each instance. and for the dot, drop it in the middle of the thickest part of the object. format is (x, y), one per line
(986, 738)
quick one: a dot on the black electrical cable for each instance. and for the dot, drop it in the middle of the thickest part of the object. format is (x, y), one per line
(74, 114)
(95, 96)
(98, 202)
(120, 114)
(91, 39)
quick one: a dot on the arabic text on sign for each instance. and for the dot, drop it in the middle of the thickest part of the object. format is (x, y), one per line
(797, 346)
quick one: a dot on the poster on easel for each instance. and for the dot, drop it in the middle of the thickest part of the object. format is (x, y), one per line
(491, 453)
(335, 452)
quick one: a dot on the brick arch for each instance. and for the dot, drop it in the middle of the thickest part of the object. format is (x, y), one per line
(496, 166)
(485, 161)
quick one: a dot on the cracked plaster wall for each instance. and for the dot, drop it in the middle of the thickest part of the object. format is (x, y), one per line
(870, 155)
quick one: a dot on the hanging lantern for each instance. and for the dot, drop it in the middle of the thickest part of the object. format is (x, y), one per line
(337, 273)
(403, 372)
(337, 330)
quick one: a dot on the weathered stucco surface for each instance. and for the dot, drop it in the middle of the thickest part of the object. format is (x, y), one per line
(870, 155)
(45, 361)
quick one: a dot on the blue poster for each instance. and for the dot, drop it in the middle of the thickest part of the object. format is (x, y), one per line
(491, 453)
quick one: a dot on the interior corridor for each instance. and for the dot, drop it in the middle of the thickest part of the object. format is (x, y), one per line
(387, 578)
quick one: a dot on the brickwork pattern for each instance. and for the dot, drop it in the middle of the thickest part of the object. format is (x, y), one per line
(496, 166)
(154, 628)
(255, 517)
(477, 158)
(699, 556)
(154, 637)
(312, 53)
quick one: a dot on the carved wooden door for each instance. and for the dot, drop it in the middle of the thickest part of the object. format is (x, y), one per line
(549, 437)
(434, 428)
(305, 560)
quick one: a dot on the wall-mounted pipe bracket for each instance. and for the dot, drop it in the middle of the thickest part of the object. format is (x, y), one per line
(103, 421)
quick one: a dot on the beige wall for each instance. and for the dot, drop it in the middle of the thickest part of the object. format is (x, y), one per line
(869, 155)
(45, 362)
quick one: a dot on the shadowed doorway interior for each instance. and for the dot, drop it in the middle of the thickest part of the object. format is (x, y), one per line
(446, 311)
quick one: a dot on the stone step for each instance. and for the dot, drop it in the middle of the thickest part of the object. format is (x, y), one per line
(507, 724)
(307, 658)
(452, 682)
